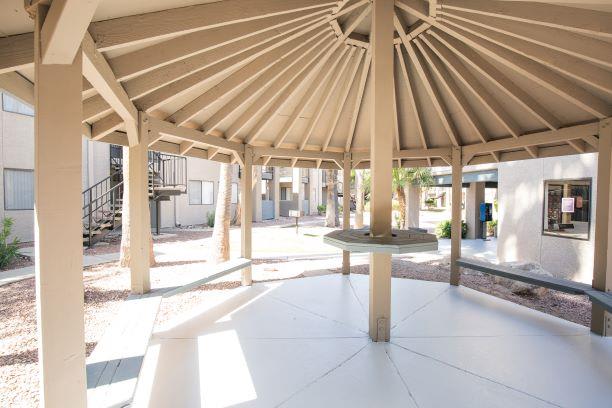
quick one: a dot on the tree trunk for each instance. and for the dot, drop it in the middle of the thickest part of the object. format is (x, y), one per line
(220, 238)
(359, 199)
(401, 199)
(332, 218)
(125, 255)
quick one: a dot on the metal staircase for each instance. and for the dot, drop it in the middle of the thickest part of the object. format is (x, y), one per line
(103, 202)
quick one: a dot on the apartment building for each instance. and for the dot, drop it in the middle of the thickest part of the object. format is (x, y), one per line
(183, 190)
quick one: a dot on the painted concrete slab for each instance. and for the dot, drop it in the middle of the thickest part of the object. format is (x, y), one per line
(291, 344)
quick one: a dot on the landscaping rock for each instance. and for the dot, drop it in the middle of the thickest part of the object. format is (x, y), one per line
(522, 288)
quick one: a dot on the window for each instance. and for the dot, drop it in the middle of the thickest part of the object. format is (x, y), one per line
(284, 191)
(234, 193)
(208, 192)
(12, 104)
(567, 208)
(201, 192)
(18, 189)
(194, 191)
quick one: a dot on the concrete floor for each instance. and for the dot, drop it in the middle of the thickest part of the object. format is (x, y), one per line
(303, 343)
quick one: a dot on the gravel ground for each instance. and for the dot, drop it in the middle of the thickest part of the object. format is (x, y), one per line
(575, 308)
(104, 292)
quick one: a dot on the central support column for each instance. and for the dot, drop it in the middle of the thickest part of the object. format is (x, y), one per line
(346, 208)
(381, 163)
(246, 215)
(58, 229)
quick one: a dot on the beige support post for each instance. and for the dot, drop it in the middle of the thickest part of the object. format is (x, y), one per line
(359, 198)
(246, 215)
(475, 195)
(257, 215)
(276, 181)
(296, 188)
(57, 229)
(456, 214)
(601, 321)
(138, 202)
(381, 163)
(346, 208)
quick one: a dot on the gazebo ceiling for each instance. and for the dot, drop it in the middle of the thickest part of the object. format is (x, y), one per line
(291, 77)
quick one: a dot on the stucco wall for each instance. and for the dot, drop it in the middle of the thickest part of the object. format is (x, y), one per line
(194, 214)
(17, 136)
(521, 197)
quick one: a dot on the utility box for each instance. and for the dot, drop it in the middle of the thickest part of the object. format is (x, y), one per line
(486, 212)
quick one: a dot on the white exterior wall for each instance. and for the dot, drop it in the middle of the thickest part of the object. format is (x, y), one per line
(178, 208)
(17, 152)
(521, 206)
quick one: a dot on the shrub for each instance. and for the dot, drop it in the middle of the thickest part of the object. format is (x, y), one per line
(443, 230)
(321, 209)
(210, 219)
(8, 249)
(430, 202)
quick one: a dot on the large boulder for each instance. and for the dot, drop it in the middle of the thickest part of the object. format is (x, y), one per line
(522, 288)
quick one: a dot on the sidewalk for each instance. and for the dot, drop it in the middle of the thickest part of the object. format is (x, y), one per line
(28, 271)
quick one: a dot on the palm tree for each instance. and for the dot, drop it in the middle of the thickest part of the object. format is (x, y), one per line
(125, 253)
(359, 197)
(220, 238)
(332, 218)
(402, 178)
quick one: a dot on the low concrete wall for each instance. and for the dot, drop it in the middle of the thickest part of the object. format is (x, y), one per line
(521, 205)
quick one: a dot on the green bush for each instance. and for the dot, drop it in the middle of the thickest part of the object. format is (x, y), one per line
(321, 209)
(8, 249)
(430, 202)
(210, 219)
(443, 230)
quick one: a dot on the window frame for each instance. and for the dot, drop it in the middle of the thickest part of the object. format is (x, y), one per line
(189, 190)
(545, 200)
(4, 184)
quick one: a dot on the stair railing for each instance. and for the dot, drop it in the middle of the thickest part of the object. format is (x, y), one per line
(101, 201)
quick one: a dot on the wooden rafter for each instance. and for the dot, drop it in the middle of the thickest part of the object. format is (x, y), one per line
(325, 97)
(342, 98)
(280, 99)
(123, 31)
(237, 53)
(357, 105)
(65, 24)
(597, 23)
(569, 65)
(434, 95)
(100, 75)
(449, 84)
(472, 83)
(176, 49)
(322, 78)
(570, 43)
(272, 78)
(473, 59)
(538, 73)
(412, 100)
(267, 56)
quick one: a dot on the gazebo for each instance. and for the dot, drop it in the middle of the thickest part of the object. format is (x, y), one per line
(296, 83)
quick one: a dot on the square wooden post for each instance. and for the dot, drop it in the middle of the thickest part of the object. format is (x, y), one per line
(246, 215)
(346, 208)
(601, 321)
(457, 181)
(139, 214)
(381, 163)
(58, 229)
